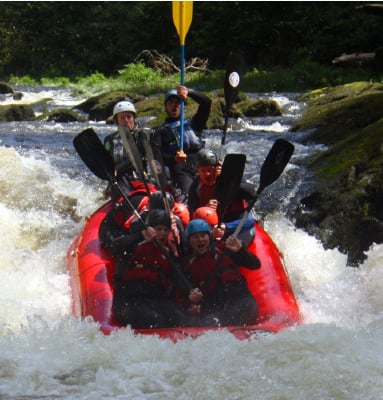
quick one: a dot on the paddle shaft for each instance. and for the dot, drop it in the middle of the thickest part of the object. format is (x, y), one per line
(182, 17)
(157, 172)
(231, 90)
(133, 153)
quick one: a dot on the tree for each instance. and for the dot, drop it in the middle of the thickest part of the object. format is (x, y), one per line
(79, 38)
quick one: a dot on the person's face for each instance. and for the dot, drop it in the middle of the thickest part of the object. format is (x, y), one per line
(173, 107)
(208, 175)
(199, 243)
(126, 118)
(162, 232)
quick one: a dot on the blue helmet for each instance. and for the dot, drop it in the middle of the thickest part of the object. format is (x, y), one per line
(196, 226)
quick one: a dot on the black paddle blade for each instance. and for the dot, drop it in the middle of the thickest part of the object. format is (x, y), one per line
(275, 162)
(228, 183)
(91, 150)
(234, 69)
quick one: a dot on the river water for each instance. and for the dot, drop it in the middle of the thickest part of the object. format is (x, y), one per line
(46, 192)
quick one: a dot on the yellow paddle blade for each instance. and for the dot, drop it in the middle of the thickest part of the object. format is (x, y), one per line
(182, 18)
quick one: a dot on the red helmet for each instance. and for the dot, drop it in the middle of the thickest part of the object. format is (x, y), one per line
(182, 212)
(207, 214)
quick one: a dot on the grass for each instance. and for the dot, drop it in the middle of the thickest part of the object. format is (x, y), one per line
(137, 78)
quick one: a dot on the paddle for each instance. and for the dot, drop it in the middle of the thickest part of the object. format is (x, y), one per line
(90, 148)
(272, 168)
(228, 183)
(182, 12)
(157, 171)
(231, 89)
(133, 153)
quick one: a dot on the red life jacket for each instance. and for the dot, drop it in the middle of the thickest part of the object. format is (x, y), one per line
(204, 273)
(148, 263)
(205, 193)
(142, 206)
(139, 186)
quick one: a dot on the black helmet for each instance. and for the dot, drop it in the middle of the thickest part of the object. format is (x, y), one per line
(156, 201)
(158, 217)
(206, 157)
(170, 93)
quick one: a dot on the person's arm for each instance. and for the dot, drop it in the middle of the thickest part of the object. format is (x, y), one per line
(241, 256)
(198, 121)
(125, 245)
(116, 238)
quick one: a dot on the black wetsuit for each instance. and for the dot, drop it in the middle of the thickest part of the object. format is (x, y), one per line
(165, 143)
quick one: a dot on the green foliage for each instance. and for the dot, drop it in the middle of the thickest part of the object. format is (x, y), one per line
(139, 75)
(306, 75)
(95, 79)
(206, 81)
(139, 79)
(85, 37)
(134, 77)
(59, 81)
(23, 80)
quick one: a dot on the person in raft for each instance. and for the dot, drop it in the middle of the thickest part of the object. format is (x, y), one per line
(216, 272)
(120, 231)
(125, 114)
(202, 189)
(166, 142)
(141, 291)
(209, 215)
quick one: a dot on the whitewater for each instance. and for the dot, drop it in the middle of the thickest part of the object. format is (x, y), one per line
(46, 192)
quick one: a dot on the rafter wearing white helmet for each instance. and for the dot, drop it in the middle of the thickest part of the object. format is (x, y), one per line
(124, 114)
(124, 105)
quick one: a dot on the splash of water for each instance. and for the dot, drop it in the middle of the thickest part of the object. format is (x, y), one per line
(47, 353)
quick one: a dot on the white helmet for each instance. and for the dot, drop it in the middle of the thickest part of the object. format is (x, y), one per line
(124, 106)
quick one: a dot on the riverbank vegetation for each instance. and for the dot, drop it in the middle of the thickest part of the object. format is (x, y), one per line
(137, 78)
(95, 46)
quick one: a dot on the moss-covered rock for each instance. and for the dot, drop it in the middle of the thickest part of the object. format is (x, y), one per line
(334, 113)
(261, 108)
(100, 107)
(20, 112)
(216, 120)
(5, 88)
(64, 115)
(345, 209)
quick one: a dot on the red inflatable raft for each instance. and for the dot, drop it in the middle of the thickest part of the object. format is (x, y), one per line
(91, 270)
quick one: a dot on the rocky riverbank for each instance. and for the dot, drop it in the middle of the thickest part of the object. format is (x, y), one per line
(100, 108)
(345, 208)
